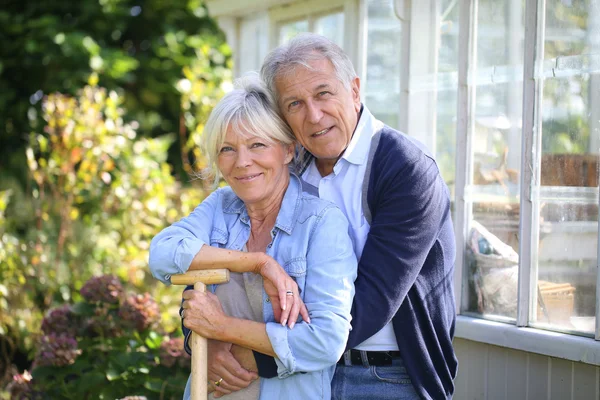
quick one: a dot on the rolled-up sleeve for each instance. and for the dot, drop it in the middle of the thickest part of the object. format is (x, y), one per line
(331, 269)
(174, 248)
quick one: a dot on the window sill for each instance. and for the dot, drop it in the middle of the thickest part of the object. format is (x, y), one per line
(552, 344)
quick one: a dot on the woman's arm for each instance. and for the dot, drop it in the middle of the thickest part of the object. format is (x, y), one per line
(329, 290)
(181, 247)
(202, 312)
(209, 257)
(174, 248)
(328, 294)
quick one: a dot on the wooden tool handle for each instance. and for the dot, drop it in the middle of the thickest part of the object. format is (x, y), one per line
(199, 360)
(208, 277)
(200, 278)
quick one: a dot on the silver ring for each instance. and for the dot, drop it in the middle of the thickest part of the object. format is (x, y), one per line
(289, 293)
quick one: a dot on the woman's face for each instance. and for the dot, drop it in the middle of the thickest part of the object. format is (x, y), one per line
(255, 169)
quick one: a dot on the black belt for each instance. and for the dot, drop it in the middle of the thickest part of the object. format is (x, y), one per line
(376, 358)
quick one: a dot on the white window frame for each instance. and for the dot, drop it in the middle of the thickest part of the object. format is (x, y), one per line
(516, 336)
(311, 10)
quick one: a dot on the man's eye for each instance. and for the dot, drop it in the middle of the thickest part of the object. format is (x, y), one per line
(324, 93)
(294, 104)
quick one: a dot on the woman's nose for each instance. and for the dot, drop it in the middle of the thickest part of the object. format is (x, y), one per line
(244, 158)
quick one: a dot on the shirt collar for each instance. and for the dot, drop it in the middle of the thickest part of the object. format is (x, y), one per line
(287, 213)
(358, 149)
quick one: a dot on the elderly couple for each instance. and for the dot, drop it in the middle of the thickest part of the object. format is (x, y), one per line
(337, 231)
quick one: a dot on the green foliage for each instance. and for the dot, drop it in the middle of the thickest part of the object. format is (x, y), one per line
(566, 132)
(84, 185)
(98, 196)
(106, 346)
(139, 48)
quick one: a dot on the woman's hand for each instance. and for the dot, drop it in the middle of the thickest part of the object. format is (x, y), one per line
(203, 314)
(283, 292)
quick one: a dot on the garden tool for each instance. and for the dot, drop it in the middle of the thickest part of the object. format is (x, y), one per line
(200, 278)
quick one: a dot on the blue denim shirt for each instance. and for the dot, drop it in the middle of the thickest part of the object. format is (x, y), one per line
(310, 241)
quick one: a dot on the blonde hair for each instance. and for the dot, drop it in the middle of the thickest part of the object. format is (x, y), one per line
(248, 109)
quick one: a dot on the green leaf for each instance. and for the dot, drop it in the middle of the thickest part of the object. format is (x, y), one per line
(40, 373)
(153, 341)
(154, 385)
(83, 309)
(112, 374)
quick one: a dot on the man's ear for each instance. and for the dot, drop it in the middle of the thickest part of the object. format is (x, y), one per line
(355, 89)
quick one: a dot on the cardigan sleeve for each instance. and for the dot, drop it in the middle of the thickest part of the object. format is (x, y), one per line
(409, 202)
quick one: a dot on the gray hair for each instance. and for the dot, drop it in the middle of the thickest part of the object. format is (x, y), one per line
(300, 51)
(250, 110)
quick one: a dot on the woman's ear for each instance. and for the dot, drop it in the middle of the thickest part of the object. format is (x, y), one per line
(289, 152)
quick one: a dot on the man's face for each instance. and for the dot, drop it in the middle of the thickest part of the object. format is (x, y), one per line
(320, 110)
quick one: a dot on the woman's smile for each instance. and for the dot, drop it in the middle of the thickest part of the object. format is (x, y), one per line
(248, 178)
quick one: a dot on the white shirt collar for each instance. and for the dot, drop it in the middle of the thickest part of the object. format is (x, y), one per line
(358, 149)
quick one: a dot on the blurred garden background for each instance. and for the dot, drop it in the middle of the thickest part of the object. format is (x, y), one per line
(101, 107)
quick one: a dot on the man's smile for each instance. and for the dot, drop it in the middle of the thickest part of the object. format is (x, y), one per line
(321, 133)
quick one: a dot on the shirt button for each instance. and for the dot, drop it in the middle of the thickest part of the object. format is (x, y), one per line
(268, 300)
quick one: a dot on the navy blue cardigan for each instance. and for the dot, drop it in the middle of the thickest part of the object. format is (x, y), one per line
(405, 274)
(406, 270)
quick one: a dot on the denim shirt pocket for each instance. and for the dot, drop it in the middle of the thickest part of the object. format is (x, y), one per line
(296, 268)
(218, 238)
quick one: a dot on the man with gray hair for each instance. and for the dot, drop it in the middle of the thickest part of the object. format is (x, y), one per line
(390, 189)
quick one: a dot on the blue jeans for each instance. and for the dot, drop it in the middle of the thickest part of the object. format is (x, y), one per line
(357, 382)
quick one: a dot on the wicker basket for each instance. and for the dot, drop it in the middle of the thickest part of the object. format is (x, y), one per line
(555, 302)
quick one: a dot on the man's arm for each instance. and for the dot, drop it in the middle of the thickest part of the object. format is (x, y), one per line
(409, 203)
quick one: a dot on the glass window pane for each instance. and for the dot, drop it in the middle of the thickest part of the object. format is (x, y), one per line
(382, 88)
(568, 196)
(291, 29)
(332, 27)
(493, 242)
(447, 92)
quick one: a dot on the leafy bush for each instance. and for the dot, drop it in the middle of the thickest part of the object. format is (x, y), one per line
(139, 48)
(107, 346)
(97, 196)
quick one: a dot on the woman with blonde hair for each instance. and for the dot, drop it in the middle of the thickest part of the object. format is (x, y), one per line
(291, 258)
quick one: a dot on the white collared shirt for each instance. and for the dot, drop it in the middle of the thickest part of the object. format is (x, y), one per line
(344, 188)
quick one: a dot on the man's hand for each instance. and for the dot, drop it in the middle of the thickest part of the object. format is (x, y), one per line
(232, 363)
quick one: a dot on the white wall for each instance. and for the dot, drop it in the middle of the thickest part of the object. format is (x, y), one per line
(487, 372)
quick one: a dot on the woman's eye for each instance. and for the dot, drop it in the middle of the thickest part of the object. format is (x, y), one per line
(225, 149)
(257, 144)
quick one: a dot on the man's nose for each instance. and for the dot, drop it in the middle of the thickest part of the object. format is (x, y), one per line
(314, 112)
